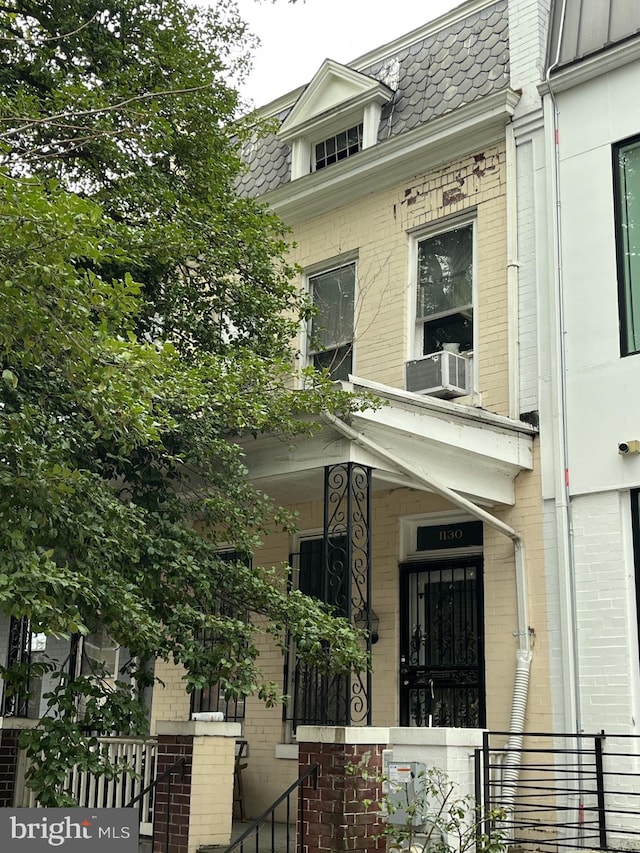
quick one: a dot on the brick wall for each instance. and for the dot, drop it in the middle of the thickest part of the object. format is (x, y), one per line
(8, 764)
(528, 23)
(201, 799)
(379, 229)
(170, 698)
(334, 815)
(173, 794)
(606, 616)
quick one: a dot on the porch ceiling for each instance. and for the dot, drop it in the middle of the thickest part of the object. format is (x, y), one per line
(475, 453)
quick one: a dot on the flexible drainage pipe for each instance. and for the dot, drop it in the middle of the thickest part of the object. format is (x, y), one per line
(524, 656)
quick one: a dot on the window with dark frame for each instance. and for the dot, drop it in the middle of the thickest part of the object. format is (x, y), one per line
(210, 697)
(338, 147)
(317, 697)
(444, 304)
(626, 174)
(330, 345)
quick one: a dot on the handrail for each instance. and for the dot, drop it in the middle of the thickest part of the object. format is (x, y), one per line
(254, 827)
(168, 773)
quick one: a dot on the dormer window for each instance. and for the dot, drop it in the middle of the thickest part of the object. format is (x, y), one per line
(338, 147)
(337, 116)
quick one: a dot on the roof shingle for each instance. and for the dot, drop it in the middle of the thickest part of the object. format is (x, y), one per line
(439, 73)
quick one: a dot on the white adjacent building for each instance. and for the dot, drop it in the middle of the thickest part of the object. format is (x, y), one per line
(588, 321)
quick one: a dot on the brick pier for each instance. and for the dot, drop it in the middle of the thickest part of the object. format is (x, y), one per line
(335, 814)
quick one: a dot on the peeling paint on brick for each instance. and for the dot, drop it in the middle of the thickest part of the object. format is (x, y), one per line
(411, 196)
(452, 197)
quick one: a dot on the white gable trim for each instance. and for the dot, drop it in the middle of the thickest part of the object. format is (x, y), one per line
(337, 98)
(334, 90)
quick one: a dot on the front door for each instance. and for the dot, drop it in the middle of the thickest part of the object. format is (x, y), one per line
(441, 644)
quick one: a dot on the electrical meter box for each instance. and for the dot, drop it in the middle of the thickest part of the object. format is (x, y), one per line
(406, 793)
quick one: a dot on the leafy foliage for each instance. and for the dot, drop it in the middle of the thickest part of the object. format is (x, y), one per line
(146, 315)
(427, 814)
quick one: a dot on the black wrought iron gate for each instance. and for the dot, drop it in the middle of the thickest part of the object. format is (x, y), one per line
(442, 644)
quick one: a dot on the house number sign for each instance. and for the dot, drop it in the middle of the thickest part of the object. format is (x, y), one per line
(444, 536)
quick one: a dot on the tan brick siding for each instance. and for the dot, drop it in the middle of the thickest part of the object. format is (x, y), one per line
(264, 727)
(378, 228)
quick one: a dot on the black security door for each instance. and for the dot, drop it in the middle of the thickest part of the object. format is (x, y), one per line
(441, 646)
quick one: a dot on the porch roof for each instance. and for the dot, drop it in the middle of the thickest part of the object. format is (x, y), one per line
(474, 452)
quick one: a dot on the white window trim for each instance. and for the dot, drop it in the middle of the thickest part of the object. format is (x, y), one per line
(302, 146)
(414, 340)
(409, 531)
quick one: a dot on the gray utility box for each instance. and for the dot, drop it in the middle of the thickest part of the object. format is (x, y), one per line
(406, 793)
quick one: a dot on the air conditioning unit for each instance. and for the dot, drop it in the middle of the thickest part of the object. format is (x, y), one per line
(441, 374)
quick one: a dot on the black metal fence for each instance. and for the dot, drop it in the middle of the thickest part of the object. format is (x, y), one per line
(268, 835)
(562, 791)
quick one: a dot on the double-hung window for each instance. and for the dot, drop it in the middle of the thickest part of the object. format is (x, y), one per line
(444, 292)
(627, 183)
(330, 343)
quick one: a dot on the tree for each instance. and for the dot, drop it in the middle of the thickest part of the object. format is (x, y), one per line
(146, 315)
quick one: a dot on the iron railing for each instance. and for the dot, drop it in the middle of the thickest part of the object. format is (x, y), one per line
(265, 834)
(16, 704)
(336, 570)
(570, 791)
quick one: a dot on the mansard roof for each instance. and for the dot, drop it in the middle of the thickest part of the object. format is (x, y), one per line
(427, 74)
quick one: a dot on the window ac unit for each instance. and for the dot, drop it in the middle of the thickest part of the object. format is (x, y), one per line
(441, 374)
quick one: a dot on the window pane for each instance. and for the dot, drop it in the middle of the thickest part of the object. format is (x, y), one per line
(445, 271)
(338, 147)
(333, 295)
(629, 244)
(99, 652)
(336, 361)
(452, 329)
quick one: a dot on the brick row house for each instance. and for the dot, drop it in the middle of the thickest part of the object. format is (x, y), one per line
(396, 175)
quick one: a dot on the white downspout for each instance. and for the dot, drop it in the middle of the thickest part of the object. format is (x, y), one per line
(513, 266)
(523, 655)
(564, 520)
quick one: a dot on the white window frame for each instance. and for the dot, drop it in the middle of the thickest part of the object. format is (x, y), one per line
(415, 326)
(311, 272)
(304, 139)
(358, 127)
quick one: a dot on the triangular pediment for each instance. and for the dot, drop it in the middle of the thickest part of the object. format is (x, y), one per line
(334, 87)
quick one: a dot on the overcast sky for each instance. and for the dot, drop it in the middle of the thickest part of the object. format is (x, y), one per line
(296, 38)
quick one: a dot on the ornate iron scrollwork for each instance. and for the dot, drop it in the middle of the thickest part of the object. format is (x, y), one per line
(347, 553)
